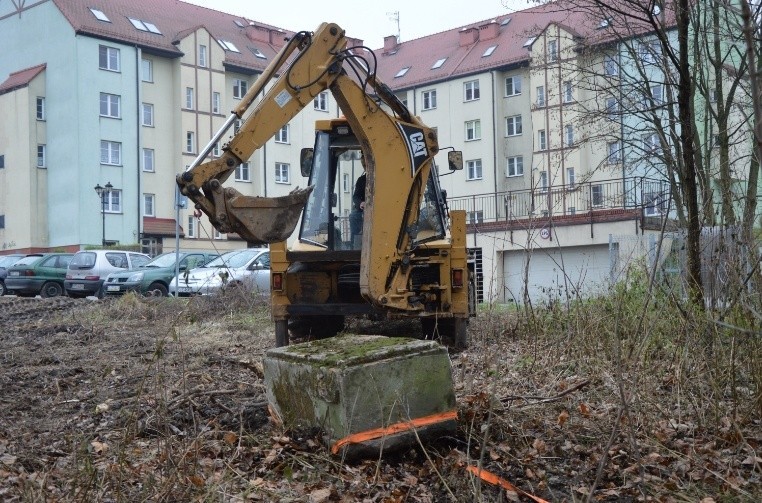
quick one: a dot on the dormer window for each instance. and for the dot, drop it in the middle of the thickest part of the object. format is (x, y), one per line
(438, 63)
(402, 72)
(529, 41)
(99, 15)
(144, 25)
(256, 52)
(489, 51)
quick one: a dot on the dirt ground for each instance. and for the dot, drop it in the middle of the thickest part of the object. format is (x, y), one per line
(163, 400)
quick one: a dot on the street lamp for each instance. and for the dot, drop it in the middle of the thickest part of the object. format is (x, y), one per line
(103, 193)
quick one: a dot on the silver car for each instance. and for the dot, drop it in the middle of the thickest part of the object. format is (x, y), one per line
(249, 268)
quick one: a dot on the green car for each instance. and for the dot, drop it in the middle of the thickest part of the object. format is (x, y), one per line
(153, 278)
(38, 273)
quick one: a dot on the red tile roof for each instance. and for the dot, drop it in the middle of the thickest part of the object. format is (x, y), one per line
(160, 227)
(174, 19)
(465, 47)
(20, 79)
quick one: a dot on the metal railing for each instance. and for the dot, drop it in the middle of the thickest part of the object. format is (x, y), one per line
(650, 195)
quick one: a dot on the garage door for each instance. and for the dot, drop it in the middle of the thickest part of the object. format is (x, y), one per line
(555, 273)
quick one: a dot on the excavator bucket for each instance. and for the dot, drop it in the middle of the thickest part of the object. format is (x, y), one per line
(265, 219)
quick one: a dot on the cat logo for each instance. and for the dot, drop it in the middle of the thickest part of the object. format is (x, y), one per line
(417, 145)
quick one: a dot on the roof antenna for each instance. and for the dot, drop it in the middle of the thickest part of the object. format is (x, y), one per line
(395, 16)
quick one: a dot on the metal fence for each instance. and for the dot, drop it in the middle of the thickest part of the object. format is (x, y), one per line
(651, 195)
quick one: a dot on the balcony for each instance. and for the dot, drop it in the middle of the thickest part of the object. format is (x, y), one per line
(635, 198)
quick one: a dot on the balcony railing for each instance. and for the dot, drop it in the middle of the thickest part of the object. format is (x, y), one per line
(650, 195)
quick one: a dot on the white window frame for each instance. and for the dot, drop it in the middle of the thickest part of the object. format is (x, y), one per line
(191, 230)
(111, 102)
(345, 183)
(610, 65)
(216, 102)
(190, 142)
(149, 160)
(473, 130)
(569, 135)
(283, 134)
(612, 108)
(471, 90)
(149, 205)
(568, 91)
(147, 114)
(542, 183)
(112, 201)
(516, 79)
(243, 172)
(514, 166)
(282, 173)
(474, 170)
(614, 151)
(320, 102)
(190, 101)
(571, 177)
(552, 50)
(542, 140)
(540, 96)
(40, 108)
(651, 143)
(239, 88)
(42, 155)
(202, 59)
(513, 126)
(112, 61)
(216, 150)
(429, 99)
(596, 195)
(146, 70)
(113, 150)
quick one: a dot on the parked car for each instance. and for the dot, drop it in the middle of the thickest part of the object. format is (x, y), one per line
(153, 277)
(249, 268)
(5, 262)
(88, 269)
(38, 274)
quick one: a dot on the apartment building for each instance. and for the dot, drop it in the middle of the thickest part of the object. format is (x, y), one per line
(125, 95)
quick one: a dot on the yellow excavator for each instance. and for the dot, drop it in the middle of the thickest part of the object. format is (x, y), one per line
(406, 257)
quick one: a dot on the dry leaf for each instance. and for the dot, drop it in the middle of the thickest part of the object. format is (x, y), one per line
(539, 445)
(99, 447)
(584, 409)
(563, 417)
(320, 495)
(7, 459)
(230, 438)
(196, 480)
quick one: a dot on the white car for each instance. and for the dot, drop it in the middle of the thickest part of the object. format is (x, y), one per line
(249, 268)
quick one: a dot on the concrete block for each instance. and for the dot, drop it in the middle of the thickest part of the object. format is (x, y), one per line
(366, 393)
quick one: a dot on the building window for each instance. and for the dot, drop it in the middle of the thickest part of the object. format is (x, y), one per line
(108, 58)
(473, 130)
(541, 140)
(189, 98)
(610, 65)
(243, 173)
(402, 72)
(438, 63)
(345, 183)
(513, 86)
(282, 135)
(216, 103)
(111, 153)
(471, 90)
(237, 126)
(40, 108)
(282, 172)
(552, 50)
(148, 160)
(110, 105)
(612, 108)
(147, 114)
(239, 88)
(474, 169)
(540, 96)
(429, 99)
(648, 51)
(655, 204)
(569, 134)
(475, 217)
(2, 161)
(41, 156)
(489, 51)
(202, 55)
(99, 15)
(657, 94)
(568, 92)
(542, 182)
(113, 201)
(216, 150)
(651, 143)
(2, 221)
(148, 205)
(216, 234)
(146, 67)
(190, 142)
(321, 102)
(515, 166)
(190, 232)
(513, 126)
(614, 152)
(570, 177)
(596, 195)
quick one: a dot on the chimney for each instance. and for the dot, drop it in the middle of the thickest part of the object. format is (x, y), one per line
(489, 31)
(277, 37)
(354, 42)
(390, 43)
(258, 33)
(468, 36)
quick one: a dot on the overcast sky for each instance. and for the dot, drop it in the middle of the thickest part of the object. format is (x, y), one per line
(369, 21)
